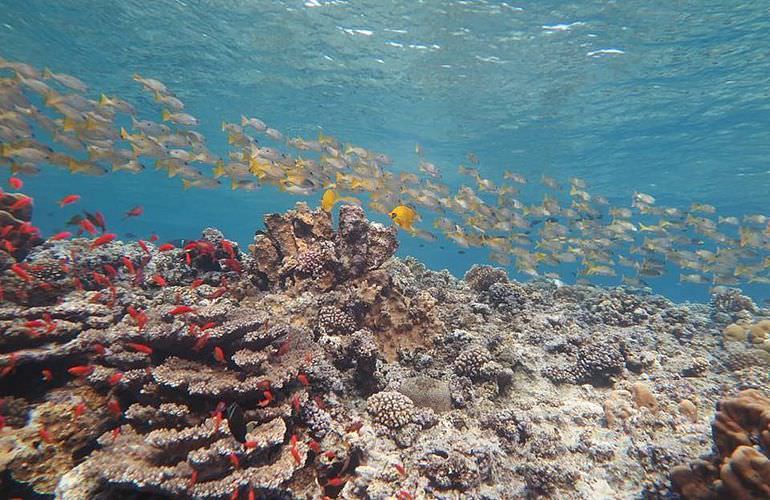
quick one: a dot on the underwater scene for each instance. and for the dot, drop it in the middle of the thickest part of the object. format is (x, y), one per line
(319, 249)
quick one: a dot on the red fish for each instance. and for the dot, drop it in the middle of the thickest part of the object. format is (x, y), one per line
(15, 183)
(99, 349)
(193, 479)
(181, 310)
(144, 246)
(335, 481)
(5, 230)
(60, 236)
(313, 444)
(250, 444)
(219, 355)
(110, 270)
(9, 246)
(69, 199)
(201, 342)
(228, 248)
(128, 264)
(153, 237)
(135, 212)
(114, 407)
(102, 240)
(19, 271)
(115, 378)
(303, 379)
(166, 247)
(234, 460)
(268, 398)
(81, 370)
(88, 226)
(234, 265)
(47, 375)
(45, 435)
(196, 283)
(159, 280)
(400, 468)
(208, 325)
(296, 455)
(79, 410)
(21, 203)
(99, 220)
(295, 402)
(143, 348)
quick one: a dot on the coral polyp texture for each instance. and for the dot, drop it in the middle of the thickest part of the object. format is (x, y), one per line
(316, 364)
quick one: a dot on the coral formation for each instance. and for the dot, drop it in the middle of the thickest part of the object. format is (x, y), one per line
(318, 365)
(741, 468)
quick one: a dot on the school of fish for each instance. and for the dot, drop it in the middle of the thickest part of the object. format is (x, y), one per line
(47, 119)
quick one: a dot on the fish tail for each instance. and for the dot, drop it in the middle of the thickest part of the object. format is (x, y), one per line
(157, 96)
(104, 100)
(166, 115)
(47, 73)
(186, 184)
(244, 121)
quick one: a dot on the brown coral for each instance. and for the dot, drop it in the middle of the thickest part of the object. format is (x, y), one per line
(740, 470)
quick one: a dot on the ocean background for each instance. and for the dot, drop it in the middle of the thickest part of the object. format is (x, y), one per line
(666, 98)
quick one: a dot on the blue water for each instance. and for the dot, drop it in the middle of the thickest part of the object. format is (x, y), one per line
(667, 98)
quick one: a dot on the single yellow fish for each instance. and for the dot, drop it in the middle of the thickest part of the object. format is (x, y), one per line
(330, 198)
(404, 216)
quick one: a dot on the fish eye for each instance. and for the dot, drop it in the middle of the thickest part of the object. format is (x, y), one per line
(393, 215)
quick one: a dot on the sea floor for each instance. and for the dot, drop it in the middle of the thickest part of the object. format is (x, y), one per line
(315, 364)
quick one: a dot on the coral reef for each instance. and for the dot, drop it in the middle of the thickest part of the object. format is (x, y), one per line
(316, 364)
(741, 467)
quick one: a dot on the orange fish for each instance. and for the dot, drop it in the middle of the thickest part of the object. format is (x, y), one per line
(115, 378)
(336, 481)
(181, 310)
(250, 444)
(201, 342)
(81, 370)
(114, 407)
(135, 212)
(21, 203)
(45, 435)
(19, 271)
(47, 375)
(79, 410)
(60, 236)
(87, 226)
(219, 355)
(102, 240)
(69, 199)
(143, 348)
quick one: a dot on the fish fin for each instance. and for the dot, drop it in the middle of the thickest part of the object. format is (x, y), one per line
(47, 73)
(123, 134)
(166, 115)
(244, 121)
(157, 96)
(186, 184)
(104, 100)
